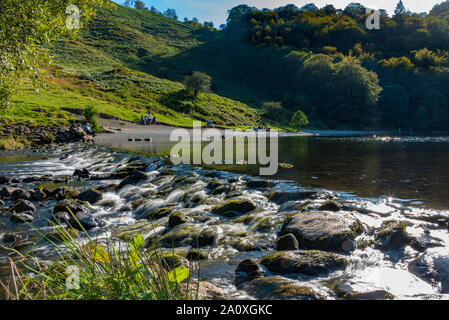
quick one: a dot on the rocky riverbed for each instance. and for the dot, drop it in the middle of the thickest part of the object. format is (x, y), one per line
(250, 237)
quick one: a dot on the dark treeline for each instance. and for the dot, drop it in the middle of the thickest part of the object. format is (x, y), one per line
(327, 63)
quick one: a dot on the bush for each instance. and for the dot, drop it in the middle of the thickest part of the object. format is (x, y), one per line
(91, 113)
(299, 119)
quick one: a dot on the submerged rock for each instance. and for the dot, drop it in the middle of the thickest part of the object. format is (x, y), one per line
(234, 207)
(279, 197)
(260, 184)
(134, 178)
(287, 243)
(324, 230)
(346, 292)
(432, 269)
(311, 263)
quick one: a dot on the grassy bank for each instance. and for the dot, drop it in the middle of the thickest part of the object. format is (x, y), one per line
(96, 271)
(12, 143)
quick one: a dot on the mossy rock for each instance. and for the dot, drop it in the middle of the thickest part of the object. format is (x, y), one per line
(196, 255)
(159, 213)
(170, 260)
(331, 205)
(324, 230)
(177, 218)
(310, 263)
(234, 207)
(58, 236)
(279, 289)
(141, 227)
(393, 234)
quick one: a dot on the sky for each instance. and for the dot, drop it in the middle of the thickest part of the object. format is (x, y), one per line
(216, 10)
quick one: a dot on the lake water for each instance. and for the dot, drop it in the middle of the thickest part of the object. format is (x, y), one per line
(412, 169)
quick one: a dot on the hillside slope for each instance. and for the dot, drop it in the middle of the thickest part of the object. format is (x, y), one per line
(106, 66)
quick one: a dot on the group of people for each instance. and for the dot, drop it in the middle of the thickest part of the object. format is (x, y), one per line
(148, 120)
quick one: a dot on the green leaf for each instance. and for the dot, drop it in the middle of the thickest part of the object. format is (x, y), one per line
(137, 243)
(178, 274)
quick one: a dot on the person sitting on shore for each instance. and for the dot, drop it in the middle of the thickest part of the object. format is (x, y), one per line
(210, 124)
(154, 121)
(88, 129)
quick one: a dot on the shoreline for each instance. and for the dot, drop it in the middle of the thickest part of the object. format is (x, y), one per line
(120, 131)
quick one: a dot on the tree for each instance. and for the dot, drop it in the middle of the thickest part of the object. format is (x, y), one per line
(197, 82)
(27, 31)
(426, 59)
(171, 13)
(299, 119)
(400, 9)
(129, 3)
(139, 5)
(209, 24)
(272, 109)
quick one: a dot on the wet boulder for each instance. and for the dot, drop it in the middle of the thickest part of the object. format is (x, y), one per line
(278, 288)
(70, 206)
(82, 173)
(9, 238)
(310, 263)
(177, 218)
(280, 197)
(84, 220)
(22, 217)
(345, 291)
(433, 269)
(196, 255)
(234, 207)
(38, 195)
(324, 230)
(331, 205)
(173, 260)
(287, 242)
(134, 178)
(5, 180)
(248, 269)
(6, 192)
(20, 194)
(260, 184)
(59, 218)
(23, 206)
(91, 195)
(207, 237)
(62, 236)
(392, 235)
